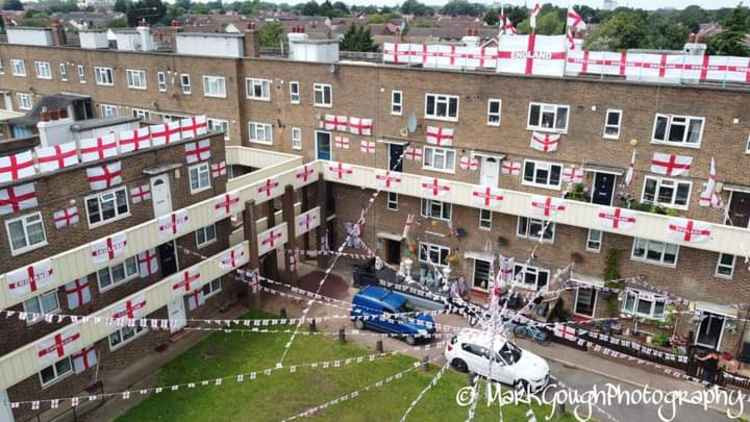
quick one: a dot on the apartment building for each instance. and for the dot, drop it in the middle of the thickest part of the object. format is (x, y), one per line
(482, 159)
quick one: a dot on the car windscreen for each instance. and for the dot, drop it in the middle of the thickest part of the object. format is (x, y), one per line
(407, 307)
(509, 353)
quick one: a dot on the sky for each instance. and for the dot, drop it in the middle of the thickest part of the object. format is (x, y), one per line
(643, 4)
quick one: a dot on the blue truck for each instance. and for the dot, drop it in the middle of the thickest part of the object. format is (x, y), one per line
(387, 307)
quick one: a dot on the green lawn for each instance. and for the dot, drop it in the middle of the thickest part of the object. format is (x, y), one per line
(283, 394)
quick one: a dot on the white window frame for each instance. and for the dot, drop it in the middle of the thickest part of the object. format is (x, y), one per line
(138, 330)
(199, 169)
(485, 219)
(429, 248)
(652, 246)
(63, 72)
(37, 216)
(161, 81)
(58, 377)
(397, 107)
(666, 182)
(206, 239)
(263, 84)
(42, 69)
(18, 67)
(720, 265)
(391, 201)
(747, 144)
(594, 245)
(109, 110)
(439, 159)
(214, 288)
(438, 210)
(99, 196)
(255, 128)
(185, 84)
(136, 79)
(2, 67)
(295, 97)
(320, 88)
(546, 166)
(638, 296)
(24, 101)
(474, 286)
(40, 304)
(670, 122)
(445, 100)
(529, 270)
(132, 261)
(81, 73)
(607, 125)
(219, 124)
(297, 139)
(527, 232)
(104, 76)
(214, 81)
(494, 115)
(142, 113)
(544, 108)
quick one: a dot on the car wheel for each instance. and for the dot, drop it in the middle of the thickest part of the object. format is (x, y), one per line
(411, 340)
(459, 365)
(522, 386)
(359, 324)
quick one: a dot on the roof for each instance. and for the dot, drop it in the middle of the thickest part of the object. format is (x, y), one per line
(210, 34)
(384, 295)
(50, 102)
(97, 123)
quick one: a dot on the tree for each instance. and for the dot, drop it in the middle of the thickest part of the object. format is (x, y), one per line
(121, 6)
(310, 8)
(12, 5)
(270, 34)
(623, 30)
(491, 17)
(150, 10)
(462, 8)
(358, 38)
(414, 7)
(666, 34)
(692, 17)
(731, 41)
(118, 23)
(548, 23)
(589, 14)
(200, 9)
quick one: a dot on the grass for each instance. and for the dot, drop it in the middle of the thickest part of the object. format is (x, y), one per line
(284, 394)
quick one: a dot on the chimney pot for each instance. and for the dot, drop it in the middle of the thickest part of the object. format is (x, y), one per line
(63, 113)
(44, 115)
(54, 114)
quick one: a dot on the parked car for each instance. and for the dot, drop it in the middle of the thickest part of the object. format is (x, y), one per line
(469, 351)
(380, 302)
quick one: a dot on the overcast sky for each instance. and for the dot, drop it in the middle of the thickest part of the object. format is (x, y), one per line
(645, 4)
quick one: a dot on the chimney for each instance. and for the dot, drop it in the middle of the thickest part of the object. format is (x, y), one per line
(54, 127)
(58, 34)
(251, 42)
(147, 41)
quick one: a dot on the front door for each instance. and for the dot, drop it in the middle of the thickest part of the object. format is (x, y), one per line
(6, 414)
(585, 301)
(395, 157)
(604, 188)
(177, 315)
(161, 195)
(323, 145)
(167, 258)
(489, 172)
(709, 331)
(739, 209)
(392, 252)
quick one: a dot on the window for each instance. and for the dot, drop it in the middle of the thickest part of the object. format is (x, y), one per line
(43, 70)
(136, 79)
(541, 174)
(144, 115)
(81, 74)
(205, 236)
(612, 122)
(644, 304)
(493, 112)
(26, 233)
(482, 271)
(397, 103)
(436, 209)
(211, 288)
(531, 228)
(107, 206)
(594, 241)
(548, 117)
(439, 159)
(24, 102)
(214, 86)
(2, 68)
(530, 277)
(485, 219)
(669, 192)
(296, 138)
(19, 67)
(124, 336)
(260, 133)
(161, 81)
(63, 71)
(258, 89)
(725, 266)
(43, 304)
(433, 254)
(294, 94)
(678, 130)
(441, 107)
(115, 275)
(109, 110)
(200, 177)
(654, 252)
(104, 76)
(322, 95)
(392, 201)
(185, 84)
(219, 125)
(56, 372)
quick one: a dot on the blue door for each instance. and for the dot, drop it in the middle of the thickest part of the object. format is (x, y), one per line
(323, 145)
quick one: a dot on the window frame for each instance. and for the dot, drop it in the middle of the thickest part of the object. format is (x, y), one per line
(2, 66)
(670, 121)
(267, 129)
(650, 245)
(589, 241)
(24, 224)
(527, 233)
(40, 304)
(719, 265)
(264, 84)
(485, 222)
(112, 110)
(130, 77)
(209, 80)
(297, 138)
(214, 123)
(58, 377)
(321, 87)
(138, 332)
(27, 96)
(63, 69)
(605, 135)
(186, 84)
(206, 240)
(14, 69)
(200, 169)
(213, 290)
(397, 107)
(557, 107)
(429, 204)
(433, 247)
(118, 216)
(132, 260)
(295, 98)
(441, 98)
(474, 285)
(498, 114)
(434, 153)
(549, 165)
(161, 81)
(659, 183)
(391, 201)
(40, 64)
(639, 296)
(81, 73)
(529, 269)
(100, 72)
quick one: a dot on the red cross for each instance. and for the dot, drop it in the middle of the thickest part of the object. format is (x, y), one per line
(566, 331)
(84, 354)
(59, 156)
(487, 196)
(305, 174)
(196, 297)
(395, 53)
(413, 153)
(186, 280)
(511, 167)
(616, 218)
(15, 200)
(307, 221)
(670, 165)
(15, 167)
(78, 290)
(530, 54)
(227, 203)
(689, 231)
(547, 206)
(361, 126)
(110, 248)
(172, 225)
(130, 309)
(388, 178)
(271, 239)
(340, 170)
(146, 259)
(439, 136)
(106, 175)
(232, 258)
(99, 149)
(140, 192)
(167, 132)
(547, 142)
(198, 151)
(506, 272)
(219, 169)
(59, 346)
(67, 216)
(135, 140)
(368, 147)
(195, 126)
(435, 187)
(267, 187)
(30, 271)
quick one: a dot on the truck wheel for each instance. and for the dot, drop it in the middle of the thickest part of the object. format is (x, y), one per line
(410, 340)
(359, 324)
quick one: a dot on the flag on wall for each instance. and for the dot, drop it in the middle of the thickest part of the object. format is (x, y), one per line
(104, 176)
(16, 166)
(31, 278)
(17, 198)
(78, 292)
(671, 164)
(100, 148)
(56, 157)
(65, 217)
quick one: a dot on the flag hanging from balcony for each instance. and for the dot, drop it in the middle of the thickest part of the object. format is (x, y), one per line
(84, 359)
(233, 258)
(611, 218)
(131, 308)
(193, 126)
(198, 151)
(17, 198)
(512, 168)
(165, 133)
(104, 176)
(148, 263)
(172, 224)
(360, 126)
(16, 166)
(228, 204)
(100, 148)
(140, 193)
(219, 169)
(546, 206)
(469, 163)
(685, 230)
(108, 249)
(434, 187)
(565, 331)
(56, 346)
(572, 174)
(135, 139)
(532, 55)
(709, 196)
(545, 142)
(486, 196)
(671, 164)
(78, 292)
(440, 136)
(65, 217)
(196, 299)
(339, 170)
(31, 278)
(56, 157)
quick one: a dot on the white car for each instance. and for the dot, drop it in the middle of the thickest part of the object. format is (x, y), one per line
(469, 351)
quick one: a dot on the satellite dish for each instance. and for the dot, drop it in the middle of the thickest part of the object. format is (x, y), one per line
(411, 123)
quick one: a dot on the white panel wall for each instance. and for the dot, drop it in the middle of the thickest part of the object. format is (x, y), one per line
(210, 45)
(40, 36)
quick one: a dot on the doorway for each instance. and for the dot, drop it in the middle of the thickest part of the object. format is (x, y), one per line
(167, 258)
(177, 315)
(161, 195)
(395, 160)
(489, 173)
(739, 209)
(585, 301)
(323, 145)
(6, 414)
(710, 330)
(604, 188)
(392, 251)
